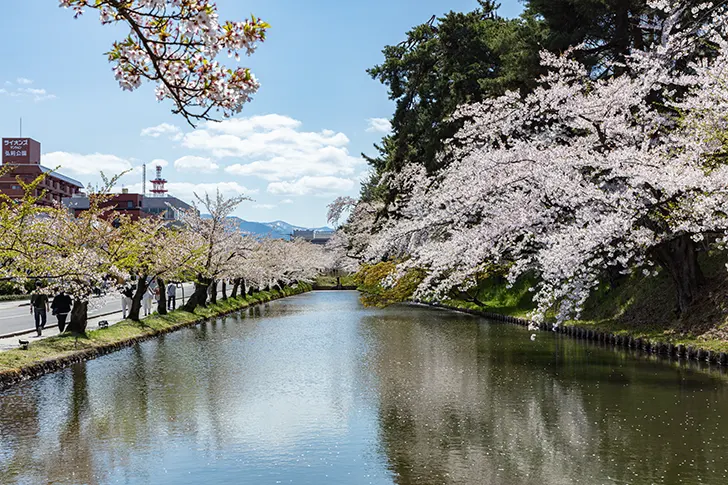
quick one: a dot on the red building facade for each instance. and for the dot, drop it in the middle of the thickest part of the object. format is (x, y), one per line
(120, 204)
(22, 157)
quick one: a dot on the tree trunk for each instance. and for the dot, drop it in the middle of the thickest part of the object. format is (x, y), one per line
(79, 317)
(338, 282)
(680, 259)
(136, 299)
(242, 286)
(162, 303)
(224, 289)
(199, 296)
(250, 291)
(213, 292)
(236, 286)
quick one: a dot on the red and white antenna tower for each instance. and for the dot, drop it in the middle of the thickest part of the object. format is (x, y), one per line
(158, 189)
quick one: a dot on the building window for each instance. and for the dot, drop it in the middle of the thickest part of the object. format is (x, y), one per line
(15, 187)
(129, 204)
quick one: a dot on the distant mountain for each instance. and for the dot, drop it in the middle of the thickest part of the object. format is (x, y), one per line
(286, 228)
(282, 226)
(275, 229)
(259, 229)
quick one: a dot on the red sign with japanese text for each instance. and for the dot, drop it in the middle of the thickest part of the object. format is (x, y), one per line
(20, 151)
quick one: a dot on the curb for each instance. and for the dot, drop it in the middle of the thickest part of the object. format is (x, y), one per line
(646, 346)
(18, 333)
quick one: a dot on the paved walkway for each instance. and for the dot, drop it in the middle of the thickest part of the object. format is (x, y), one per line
(109, 310)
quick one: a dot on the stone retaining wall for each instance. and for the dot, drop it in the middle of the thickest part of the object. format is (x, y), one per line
(679, 351)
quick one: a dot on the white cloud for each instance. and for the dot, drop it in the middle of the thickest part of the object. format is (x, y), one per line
(86, 164)
(379, 125)
(253, 124)
(312, 186)
(24, 80)
(195, 164)
(274, 148)
(186, 190)
(36, 94)
(287, 201)
(264, 206)
(166, 129)
(157, 161)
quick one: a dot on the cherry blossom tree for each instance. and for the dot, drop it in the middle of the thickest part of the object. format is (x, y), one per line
(16, 218)
(157, 253)
(355, 235)
(276, 262)
(237, 270)
(219, 240)
(580, 177)
(338, 207)
(175, 44)
(75, 254)
(337, 254)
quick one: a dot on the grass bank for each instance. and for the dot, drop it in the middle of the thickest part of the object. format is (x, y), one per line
(635, 306)
(14, 297)
(54, 353)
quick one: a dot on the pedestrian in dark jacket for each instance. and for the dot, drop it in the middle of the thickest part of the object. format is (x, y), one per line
(61, 307)
(39, 308)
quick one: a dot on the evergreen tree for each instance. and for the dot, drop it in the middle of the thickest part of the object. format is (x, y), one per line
(443, 63)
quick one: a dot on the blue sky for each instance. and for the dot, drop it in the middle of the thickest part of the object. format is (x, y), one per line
(293, 149)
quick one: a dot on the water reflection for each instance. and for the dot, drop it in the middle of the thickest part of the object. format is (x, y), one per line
(473, 403)
(316, 389)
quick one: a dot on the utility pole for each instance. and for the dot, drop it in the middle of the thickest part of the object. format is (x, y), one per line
(144, 179)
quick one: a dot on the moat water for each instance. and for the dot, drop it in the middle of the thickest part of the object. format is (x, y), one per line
(317, 389)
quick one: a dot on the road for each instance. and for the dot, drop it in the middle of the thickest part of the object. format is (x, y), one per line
(15, 315)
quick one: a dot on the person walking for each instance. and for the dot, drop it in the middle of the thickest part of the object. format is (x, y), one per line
(147, 299)
(171, 296)
(126, 295)
(61, 307)
(39, 309)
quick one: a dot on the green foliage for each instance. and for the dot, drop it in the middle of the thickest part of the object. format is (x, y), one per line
(8, 288)
(371, 277)
(458, 58)
(608, 28)
(494, 295)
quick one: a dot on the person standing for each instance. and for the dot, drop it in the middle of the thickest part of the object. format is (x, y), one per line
(39, 308)
(147, 301)
(126, 295)
(61, 307)
(171, 296)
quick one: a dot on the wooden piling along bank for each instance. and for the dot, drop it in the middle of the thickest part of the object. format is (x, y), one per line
(664, 349)
(11, 377)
